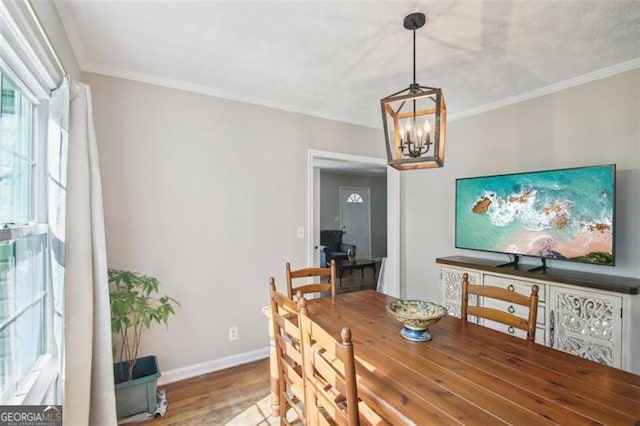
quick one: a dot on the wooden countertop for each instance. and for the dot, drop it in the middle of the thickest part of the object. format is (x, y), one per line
(582, 279)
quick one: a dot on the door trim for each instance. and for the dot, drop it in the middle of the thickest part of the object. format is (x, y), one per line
(392, 264)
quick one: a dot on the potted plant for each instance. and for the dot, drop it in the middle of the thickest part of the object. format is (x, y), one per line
(135, 306)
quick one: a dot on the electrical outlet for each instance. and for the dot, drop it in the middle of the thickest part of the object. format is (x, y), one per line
(233, 333)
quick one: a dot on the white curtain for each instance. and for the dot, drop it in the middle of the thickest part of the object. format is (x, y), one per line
(57, 143)
(89, 396)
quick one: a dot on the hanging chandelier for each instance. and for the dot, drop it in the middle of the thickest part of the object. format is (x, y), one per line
(415, 119)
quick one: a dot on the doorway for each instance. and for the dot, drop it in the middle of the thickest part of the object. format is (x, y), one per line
(355, 219)
(390, 275)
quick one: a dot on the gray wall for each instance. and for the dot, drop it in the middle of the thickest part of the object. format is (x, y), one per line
(210, 210)
(330, 184)
(595, 123)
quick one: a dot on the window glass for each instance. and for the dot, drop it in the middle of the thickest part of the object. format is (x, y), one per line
(16, 154)
(22, 309)
(355, 198)
(23, 247)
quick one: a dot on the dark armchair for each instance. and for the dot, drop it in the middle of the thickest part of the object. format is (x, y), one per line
(331, 247)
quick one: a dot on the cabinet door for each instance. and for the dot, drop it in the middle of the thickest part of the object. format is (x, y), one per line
(451, 279)
(587, 324)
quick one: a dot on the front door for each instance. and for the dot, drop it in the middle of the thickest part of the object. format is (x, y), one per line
(355, 219)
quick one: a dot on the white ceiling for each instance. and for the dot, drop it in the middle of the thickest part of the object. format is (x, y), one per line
(337, 59)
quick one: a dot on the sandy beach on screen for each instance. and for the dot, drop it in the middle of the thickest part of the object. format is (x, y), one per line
(538, 243)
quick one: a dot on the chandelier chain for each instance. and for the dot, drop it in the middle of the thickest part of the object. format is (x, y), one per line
(414, 57)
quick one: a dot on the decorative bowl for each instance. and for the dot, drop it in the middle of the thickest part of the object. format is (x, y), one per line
(416, 316)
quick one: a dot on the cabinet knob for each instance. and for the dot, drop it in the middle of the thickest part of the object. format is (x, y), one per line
(511, 309)
(510, 287)
(511, 330)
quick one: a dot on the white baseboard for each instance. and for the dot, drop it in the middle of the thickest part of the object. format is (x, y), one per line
(183, 373)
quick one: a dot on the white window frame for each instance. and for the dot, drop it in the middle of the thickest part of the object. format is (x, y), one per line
(22, 58)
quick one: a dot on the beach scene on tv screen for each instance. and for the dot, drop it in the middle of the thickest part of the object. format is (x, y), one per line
(559, 214)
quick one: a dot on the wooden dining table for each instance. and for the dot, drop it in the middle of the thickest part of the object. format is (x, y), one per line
(469, 374)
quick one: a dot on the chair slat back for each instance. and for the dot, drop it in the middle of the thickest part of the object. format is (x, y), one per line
(288, 346)
(329, 370)
(498, 293)
(315, 287)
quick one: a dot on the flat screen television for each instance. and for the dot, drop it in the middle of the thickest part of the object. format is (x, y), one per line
(566, 214)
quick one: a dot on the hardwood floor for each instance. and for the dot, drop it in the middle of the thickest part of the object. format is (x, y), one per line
(235, 396)
(238, 395)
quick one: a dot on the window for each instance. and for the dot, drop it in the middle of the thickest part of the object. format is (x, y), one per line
(16, 154)
(24, 283)
(30, 277)
(355, 199)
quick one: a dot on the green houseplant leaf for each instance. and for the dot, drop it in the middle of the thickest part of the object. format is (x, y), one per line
(135, 308)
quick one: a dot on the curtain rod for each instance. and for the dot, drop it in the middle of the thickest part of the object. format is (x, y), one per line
(52, 50)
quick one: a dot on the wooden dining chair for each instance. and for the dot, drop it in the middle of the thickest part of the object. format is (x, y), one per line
(288, 346)
(316, 287)
(330, 377)
(508, 318)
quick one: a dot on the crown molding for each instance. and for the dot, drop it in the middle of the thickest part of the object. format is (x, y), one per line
(224, 94)
(186, 86)
(552, 88)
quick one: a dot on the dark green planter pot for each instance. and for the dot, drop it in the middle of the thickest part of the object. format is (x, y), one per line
(137, 395)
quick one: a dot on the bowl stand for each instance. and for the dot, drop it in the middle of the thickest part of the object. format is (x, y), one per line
(415, 335)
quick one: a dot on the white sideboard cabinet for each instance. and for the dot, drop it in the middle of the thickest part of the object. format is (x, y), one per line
(593, 316)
